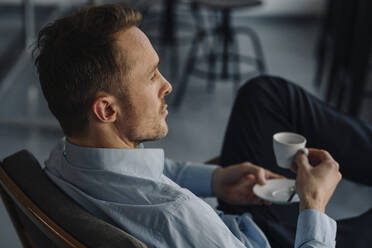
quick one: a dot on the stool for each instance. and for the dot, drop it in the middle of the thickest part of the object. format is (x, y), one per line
(224, 47)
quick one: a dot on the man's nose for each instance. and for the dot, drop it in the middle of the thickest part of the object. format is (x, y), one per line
(168, 86)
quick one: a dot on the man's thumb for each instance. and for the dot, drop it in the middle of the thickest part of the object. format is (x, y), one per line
(302, 161)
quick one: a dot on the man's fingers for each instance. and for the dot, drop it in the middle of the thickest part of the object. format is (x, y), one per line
(317, 156)
(250, 179)
(293, 167)
(260, 173)
(255, 170)
(261, 176)
(272, 175)
(301, 160)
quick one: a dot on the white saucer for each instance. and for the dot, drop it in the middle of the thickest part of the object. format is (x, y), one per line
(276, 191)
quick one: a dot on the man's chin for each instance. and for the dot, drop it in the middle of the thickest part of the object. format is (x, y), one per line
(161, 133)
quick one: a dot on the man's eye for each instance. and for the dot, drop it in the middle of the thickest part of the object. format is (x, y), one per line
(154, 76)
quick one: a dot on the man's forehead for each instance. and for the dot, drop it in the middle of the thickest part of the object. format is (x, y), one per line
(135, 45)
(131, 34)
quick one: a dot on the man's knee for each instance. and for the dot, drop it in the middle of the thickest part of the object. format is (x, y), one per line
(262, 84)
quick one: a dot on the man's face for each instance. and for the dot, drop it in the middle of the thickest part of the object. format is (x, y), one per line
(143, 111)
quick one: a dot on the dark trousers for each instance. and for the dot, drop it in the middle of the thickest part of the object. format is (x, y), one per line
(267, 105)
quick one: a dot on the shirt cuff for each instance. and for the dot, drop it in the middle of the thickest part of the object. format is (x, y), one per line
(315, 227)
(198, 179)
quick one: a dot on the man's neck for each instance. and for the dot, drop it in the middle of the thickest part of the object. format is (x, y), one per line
(102, 141)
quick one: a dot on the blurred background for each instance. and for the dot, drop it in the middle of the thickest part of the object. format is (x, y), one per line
(207, 49)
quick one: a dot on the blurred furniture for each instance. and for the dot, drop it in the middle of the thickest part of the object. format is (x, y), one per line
(224, 47)
(344, 48)
(17, 56)
(170, 24)
(44, 216)
(22, 45)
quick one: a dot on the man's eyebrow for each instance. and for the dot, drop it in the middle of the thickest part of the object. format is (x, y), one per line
(155, 66)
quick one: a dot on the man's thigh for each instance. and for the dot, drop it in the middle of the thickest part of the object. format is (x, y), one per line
(355, 232)
(277, 222)
(267, 105)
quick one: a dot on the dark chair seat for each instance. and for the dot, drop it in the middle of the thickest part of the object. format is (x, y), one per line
(44, 216)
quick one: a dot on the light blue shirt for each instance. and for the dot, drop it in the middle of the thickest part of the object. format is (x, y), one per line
(156, 199)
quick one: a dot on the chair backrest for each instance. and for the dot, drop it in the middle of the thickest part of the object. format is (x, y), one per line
(44, 216)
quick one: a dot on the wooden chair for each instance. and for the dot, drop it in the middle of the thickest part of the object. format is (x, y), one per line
(44, 216)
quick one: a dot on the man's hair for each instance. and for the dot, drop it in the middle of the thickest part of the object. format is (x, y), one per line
(77, 57)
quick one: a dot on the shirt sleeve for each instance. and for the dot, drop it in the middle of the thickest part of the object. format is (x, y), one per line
(195, 224)
(315, 230)
(196, 177)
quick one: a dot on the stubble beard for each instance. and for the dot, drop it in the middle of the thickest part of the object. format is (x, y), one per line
(158, 132)
(158, 126)
(152, 130)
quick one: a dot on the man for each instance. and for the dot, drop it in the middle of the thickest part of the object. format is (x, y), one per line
(99, 74)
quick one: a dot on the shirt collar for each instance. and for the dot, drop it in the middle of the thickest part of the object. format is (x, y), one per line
(140, 162)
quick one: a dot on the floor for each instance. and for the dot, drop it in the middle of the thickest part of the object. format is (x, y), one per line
(196, 129)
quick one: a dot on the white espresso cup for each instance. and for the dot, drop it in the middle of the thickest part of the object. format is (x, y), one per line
(286, 145)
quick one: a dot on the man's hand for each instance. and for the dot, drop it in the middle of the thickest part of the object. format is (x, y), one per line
(234, 184)
(317, 178)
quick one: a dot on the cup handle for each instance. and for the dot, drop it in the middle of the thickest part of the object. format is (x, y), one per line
(304, 150)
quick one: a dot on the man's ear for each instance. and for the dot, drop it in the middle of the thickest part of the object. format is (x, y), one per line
(104, 108)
